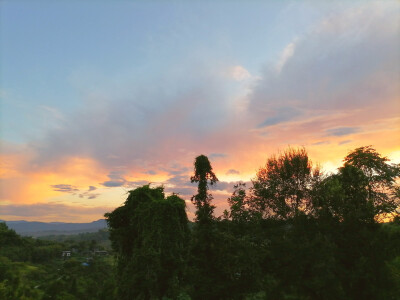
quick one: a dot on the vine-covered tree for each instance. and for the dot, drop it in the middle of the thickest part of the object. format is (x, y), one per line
(149, 234)
(205, 239)
(203, 175)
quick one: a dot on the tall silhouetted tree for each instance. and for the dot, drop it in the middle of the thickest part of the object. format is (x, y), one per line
(203, 175)
(205, 242)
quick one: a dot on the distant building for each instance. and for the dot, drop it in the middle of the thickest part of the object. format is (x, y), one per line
(66, 254)
(100, 253)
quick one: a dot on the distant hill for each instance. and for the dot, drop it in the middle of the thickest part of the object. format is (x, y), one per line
(36, 229)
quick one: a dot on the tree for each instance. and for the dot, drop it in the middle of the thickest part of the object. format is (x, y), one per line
(205, 246)
(343, 197)
(237, 203)
(349, 205)
(203, 174)
(149, 234)
(382, 191)
(282, 188)
(364, 189)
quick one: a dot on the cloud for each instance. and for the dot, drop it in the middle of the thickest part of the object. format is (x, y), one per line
(349, 60)
(337, 69)
(51, 211)
(53, 112)
(137, 183)
(342, 131)
(287, 53)
(320, 143)
(217, 155)
(65, 188)
(116, 179)
(113, 183)
(281, 115)
(232, 172)
(239, 73)
(132, 127)
(174, 169)
(180, 184)
(333, 80)
(344, 142)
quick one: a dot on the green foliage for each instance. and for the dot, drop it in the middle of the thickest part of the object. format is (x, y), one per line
(83, 241)
(282, 188)
(382, 191)
(363, 190)
(149, 234)
(203, 175)
(239, 212)
(33, 269)
(296, 235)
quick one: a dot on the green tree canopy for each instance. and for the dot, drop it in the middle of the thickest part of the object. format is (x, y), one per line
(381, 176)
(149, 233)
(281, 189)
(364, 189)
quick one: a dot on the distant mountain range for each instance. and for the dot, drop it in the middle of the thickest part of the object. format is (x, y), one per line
(36, 229)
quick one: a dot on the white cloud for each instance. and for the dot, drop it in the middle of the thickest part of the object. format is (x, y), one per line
(286, 54)
(239, 73)
(348, 61)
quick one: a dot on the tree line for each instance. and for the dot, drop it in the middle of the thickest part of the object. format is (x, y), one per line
(32, 268)
(295, 233)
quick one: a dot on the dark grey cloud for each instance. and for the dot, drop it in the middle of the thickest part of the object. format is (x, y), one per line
(114, 183)
(281, 115)
(65, 188)
(116, 179)
(181, 185)
(342, 131)
(320, 143)
(175, 169)
(217, 155)
(88, 195)
(232, 172)
(344, 142)
(184, 192)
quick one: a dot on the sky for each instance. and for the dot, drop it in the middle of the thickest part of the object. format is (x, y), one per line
(100, 97)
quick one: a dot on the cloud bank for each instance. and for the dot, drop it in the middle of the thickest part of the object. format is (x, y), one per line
(332, 86)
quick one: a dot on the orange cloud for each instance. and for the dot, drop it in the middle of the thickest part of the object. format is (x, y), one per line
(24, 184)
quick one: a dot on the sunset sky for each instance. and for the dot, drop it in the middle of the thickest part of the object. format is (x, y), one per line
(99, 97)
